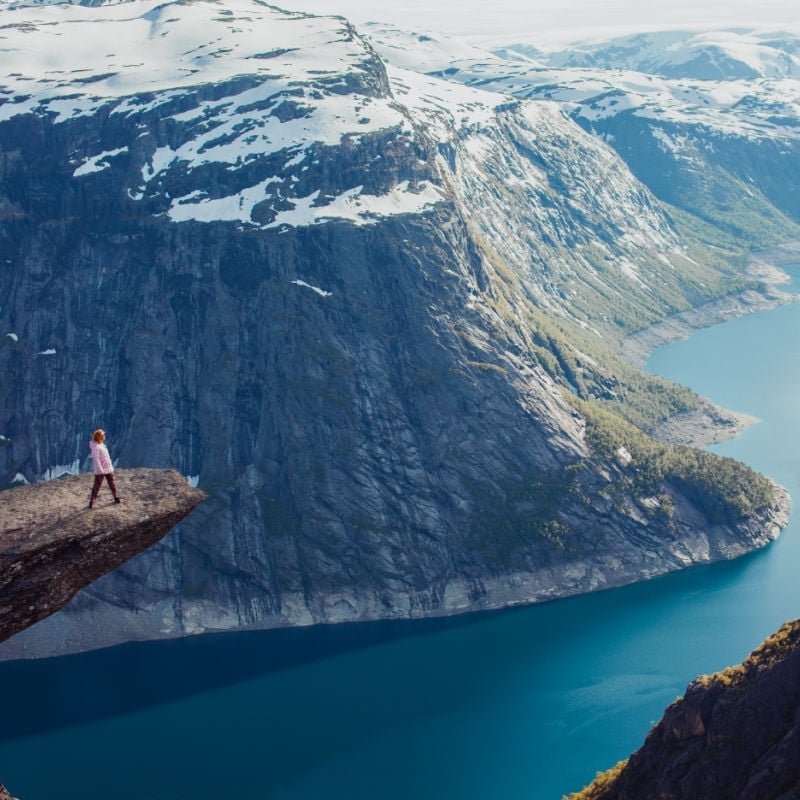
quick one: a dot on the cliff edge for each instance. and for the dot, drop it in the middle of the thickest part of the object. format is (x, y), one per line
(52, 545)
(733, 735)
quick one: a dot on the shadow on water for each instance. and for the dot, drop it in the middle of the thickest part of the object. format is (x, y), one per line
(38, 696)
(51, 693)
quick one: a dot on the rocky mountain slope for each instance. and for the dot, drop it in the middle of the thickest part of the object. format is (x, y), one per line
(734, 734)
(708, 120)
(52, 546)
(372, 313)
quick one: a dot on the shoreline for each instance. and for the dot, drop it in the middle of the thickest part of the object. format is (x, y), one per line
(710, 423)
(704, 425)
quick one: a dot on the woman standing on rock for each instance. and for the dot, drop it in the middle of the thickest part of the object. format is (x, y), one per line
(103, 468)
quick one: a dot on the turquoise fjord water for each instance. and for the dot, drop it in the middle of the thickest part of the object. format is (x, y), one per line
(527, 703)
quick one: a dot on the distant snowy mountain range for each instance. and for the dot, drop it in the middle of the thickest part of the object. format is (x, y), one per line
(725, 55)
(737, 54)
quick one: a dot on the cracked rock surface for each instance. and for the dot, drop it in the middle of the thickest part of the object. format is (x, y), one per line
(52, 545)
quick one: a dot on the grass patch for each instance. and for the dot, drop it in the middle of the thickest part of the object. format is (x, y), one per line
(512, 518)
(598, 788)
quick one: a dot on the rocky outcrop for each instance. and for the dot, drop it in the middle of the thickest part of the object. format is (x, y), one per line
(52, 545)
(733, 735)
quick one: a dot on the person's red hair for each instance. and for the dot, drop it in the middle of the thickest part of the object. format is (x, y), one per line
(99, 435)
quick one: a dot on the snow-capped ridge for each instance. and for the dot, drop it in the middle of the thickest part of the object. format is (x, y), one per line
(723, 54)
(657, 75)
(132, 48)
(260, 103)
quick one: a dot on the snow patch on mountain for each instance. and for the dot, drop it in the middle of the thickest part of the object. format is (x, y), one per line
(98, 162)
(675, 144)
(232, 134)
(351, 205)
(232, 208)
(316, 289)
(358, 208)
(118, 50)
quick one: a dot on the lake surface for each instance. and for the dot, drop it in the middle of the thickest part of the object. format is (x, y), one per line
(521, 705)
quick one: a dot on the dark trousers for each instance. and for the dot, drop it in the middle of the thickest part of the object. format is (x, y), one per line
(98, 482)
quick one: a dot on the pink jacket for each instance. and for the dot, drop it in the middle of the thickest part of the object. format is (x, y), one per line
(101, 458)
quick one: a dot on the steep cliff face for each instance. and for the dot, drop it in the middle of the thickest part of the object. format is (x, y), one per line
(52, 545)
(323, 291)
(734, 734)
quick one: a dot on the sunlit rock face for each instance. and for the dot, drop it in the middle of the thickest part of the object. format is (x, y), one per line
(733, 734)
(238, 243)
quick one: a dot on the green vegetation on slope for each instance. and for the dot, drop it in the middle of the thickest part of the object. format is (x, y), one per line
(620, 403)
(770, 652)
(603, 781)
(525, 512)
(723, 489)
(730, 206)
(584, 357)
(584, 363)
(512, 517)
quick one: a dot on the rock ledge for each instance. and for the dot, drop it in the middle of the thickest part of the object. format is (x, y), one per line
(52, 545)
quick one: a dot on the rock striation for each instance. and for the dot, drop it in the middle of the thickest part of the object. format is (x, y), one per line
(52, 545)
(733, 735)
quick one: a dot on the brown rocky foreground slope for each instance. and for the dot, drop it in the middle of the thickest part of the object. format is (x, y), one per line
(734, 735)
(52, 545)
